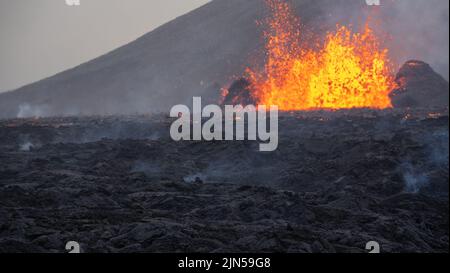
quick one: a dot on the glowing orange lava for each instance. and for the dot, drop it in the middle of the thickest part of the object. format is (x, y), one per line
(350, 70)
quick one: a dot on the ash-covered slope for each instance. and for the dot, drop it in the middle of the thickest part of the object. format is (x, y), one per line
(146, 74)
(195, 54)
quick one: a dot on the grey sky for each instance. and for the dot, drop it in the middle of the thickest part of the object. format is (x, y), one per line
(39, 38)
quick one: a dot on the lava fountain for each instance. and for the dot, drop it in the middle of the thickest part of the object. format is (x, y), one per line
(347, 70)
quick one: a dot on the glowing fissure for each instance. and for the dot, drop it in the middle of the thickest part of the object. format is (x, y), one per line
(350, 70)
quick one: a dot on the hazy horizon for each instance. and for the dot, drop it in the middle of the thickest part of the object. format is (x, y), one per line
(37, 35)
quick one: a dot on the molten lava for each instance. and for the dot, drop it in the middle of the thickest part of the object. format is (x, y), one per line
(349, 70)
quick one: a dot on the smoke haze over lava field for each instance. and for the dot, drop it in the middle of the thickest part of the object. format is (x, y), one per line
(337, 181)
(87, 155)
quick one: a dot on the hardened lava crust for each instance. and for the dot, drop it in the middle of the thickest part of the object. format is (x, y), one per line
(119, 184)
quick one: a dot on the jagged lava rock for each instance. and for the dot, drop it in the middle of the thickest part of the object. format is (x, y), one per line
(420, 86)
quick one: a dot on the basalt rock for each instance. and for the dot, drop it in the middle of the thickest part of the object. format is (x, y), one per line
(239, 93)
(420, 86)
(121, 184)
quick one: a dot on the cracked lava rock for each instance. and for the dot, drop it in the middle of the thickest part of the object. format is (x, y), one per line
(120, 184)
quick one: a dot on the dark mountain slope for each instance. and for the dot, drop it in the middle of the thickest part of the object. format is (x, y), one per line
(195, 54)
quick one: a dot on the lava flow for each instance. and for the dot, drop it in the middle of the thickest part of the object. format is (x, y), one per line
(348, 70)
